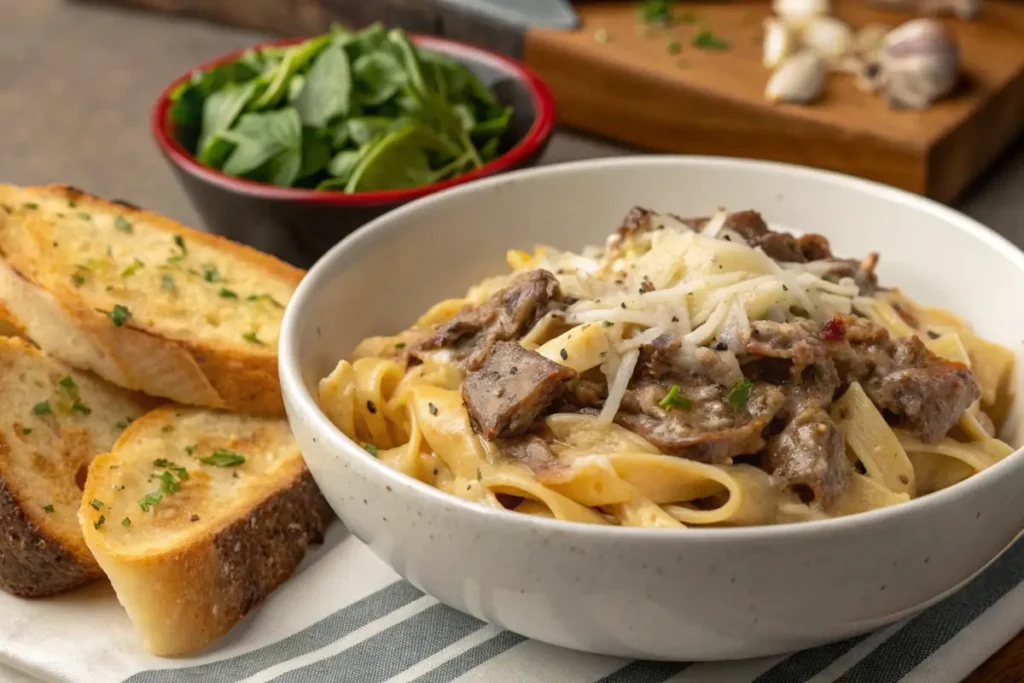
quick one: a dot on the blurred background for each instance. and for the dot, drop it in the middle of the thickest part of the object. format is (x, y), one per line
(80, 78)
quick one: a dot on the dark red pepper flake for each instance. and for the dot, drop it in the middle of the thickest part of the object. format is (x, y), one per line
(372, 408)
(834, 330)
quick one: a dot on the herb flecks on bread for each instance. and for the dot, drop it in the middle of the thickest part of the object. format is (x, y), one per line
(142, 301)
(196, 516)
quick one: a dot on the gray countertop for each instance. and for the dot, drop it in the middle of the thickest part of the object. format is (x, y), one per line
(77, 83)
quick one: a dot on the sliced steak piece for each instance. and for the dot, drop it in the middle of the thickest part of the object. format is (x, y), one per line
(511, 389)
(666, 357)
(797, 342)
(916, 389)
(707, 428)
(810, 455)
(507, 315)
(927, 393)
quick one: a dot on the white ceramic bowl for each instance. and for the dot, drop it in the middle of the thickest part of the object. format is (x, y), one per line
(695, 594)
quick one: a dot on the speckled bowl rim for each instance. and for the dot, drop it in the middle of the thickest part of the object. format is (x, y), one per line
(333, 439)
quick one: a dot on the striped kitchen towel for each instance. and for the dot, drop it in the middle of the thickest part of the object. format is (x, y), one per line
(347, 618)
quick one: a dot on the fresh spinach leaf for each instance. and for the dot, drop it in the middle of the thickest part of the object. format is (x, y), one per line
(494, 127)
(491, 150)
(328, 88)
(316, 151)
(408, 57)
(394, 162)
(188, 98)
(362, 130)
(220, 111)
(283, 169)
(379, 76)
(295, 87)
(342, 166)
(263, 137)
(466, 116)
(370, 39)
(276, 80)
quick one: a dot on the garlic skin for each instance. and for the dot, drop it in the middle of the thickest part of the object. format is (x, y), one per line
(798, 12)
(919, 63)
(828, 36)
(799, 79)
(779, 42)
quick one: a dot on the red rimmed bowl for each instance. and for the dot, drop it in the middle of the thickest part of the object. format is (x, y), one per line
(299, 225)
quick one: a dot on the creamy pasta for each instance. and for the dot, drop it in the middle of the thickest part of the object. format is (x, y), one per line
(690, 372)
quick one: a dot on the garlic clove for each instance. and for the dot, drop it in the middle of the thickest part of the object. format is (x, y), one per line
(828, 36)
(779, 42)
(799, 79)
(868, 40)
(919, 63)
(798, 12)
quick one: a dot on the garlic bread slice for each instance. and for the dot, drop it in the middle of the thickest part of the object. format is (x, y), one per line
(200, 515)
(142, 301)
(53, 422)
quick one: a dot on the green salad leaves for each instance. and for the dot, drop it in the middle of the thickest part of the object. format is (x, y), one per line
(350, 111)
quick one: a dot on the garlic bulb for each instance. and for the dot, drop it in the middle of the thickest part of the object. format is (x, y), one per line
(799, 12)
(919, 63)
(828, 36)
(800, 79)
(779, 42)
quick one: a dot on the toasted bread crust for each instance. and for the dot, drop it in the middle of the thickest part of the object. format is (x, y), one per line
(32, 563)
(236, 377)
(183, 597)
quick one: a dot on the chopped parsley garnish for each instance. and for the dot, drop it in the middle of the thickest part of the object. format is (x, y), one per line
(132, 268)
(99, 522)
(126, 522)
(706, 40)
(84, 216)
(30, 205)
(180, 241)
(656, 12)
(675, 399)
(48, 508)
(252, 338)
(167, 283)
(191, 448)
(26, 431)
(167, 428)
(674, 47)
(96, 504)
(123, 424)
(265, 297)
(168, 484)
(740, 394)
(78, 407)
(211, 274)
(118, 315)
(161, 462)
(78, 279)
(371, 449)
(223, 458)
(42, 408)
(226, 293)
(123, 225)
(400, 345)
(149, 500)
(68, 382)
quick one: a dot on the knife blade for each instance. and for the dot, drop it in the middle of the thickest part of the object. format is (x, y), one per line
(554, 14)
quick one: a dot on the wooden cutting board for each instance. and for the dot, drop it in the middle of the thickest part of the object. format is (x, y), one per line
(632, 89)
